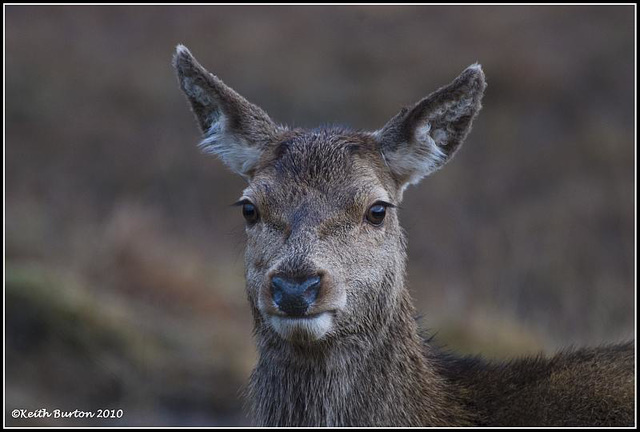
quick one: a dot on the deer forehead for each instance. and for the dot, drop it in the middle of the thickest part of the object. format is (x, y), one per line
(322, 155)
(327, 166)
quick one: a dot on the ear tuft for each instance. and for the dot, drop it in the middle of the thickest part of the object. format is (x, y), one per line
(184, 62)
(181, 49)
(238, 154)
(182, 53)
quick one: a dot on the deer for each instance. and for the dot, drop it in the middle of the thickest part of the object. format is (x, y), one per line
(334, 323)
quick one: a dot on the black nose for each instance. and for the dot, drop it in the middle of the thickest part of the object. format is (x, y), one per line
(293, 296)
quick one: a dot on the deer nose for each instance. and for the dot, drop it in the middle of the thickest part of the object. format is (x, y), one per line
(292, 296)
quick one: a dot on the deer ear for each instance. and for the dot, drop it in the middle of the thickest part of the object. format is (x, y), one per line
(420, 140)
(234, 129)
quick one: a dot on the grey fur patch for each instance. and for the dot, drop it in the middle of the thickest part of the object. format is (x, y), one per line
(233, 150)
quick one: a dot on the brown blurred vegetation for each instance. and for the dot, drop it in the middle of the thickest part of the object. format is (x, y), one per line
(124, 268)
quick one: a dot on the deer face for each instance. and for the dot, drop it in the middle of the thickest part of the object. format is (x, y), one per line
(325, 252)
(323, 234)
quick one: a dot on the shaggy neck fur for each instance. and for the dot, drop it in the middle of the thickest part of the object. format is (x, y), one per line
(382, 378)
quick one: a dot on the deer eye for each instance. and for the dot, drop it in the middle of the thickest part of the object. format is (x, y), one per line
(250, 212)
(376, 213)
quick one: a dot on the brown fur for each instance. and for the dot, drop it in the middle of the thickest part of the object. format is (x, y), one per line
(586, 387)
(355, 358)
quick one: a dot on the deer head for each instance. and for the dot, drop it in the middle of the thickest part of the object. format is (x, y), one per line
(325, 255)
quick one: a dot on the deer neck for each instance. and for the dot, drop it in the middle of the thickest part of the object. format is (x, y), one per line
(383, 377)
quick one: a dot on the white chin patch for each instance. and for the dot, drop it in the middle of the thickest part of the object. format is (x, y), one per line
(305, 329)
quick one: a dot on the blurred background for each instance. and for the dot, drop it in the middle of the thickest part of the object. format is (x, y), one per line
(124, 261)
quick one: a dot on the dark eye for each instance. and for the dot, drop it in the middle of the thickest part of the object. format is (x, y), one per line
(376, 214)
(250, 213)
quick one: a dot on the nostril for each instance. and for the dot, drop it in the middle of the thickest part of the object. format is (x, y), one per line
(276, 293)
(310, 288)
(293, 296)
